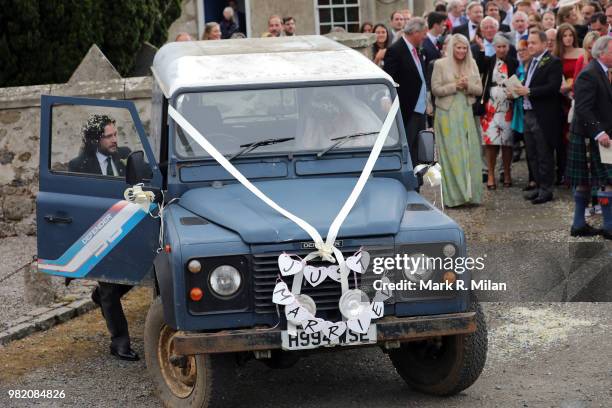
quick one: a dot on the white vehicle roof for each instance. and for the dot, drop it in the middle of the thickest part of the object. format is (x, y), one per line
(192, 64)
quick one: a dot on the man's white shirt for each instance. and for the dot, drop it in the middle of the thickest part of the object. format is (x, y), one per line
(102, 159)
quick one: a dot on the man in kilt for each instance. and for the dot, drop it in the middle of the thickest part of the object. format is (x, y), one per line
(591, 127)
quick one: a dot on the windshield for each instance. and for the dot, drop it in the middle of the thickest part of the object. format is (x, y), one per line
(313, 117)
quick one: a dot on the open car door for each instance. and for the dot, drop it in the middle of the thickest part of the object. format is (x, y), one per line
(86, 229)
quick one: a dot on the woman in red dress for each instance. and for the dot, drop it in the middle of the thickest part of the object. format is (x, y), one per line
(566, 49)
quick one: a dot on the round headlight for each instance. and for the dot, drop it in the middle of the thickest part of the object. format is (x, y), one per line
(225, 280)
(194, 266)
(353, 303)
(418, 268)
(449, 250)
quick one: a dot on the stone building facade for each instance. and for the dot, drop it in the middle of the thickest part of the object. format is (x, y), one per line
(312, 16)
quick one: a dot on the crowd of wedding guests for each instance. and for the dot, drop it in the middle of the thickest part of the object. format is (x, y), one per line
(494, 79)
(498, 77)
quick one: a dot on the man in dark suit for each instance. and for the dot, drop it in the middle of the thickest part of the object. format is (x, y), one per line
(405, 65)
(431, 47)
(100, 154)
(475, 15)
(543, 115)
(431, 50)
(592, 127)
(492, 10)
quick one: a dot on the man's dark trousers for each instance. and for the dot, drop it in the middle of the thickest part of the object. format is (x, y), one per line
(540, 155)
(109, 296)
(415, 123)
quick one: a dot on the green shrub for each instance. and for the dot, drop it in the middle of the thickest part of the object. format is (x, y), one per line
(43, 41)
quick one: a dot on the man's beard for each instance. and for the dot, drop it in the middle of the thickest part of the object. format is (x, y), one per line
(109, 152)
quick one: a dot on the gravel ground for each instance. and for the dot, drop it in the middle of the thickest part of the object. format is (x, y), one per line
(540, 355)
(17, 251)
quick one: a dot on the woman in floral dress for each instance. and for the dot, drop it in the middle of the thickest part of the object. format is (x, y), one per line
(497, 118)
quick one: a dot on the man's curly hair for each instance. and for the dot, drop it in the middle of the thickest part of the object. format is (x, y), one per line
(93, 131)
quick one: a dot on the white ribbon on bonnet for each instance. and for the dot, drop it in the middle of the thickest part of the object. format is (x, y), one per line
(325, 249)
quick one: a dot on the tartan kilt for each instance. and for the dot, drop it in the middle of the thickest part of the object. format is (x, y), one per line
(584, 166)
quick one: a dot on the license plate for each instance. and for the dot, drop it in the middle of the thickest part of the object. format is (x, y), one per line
(304, 341)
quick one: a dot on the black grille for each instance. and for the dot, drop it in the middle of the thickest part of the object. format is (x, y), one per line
(265, 272)
(325, 295)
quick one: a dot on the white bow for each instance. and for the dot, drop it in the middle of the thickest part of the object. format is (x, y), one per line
(433, 175)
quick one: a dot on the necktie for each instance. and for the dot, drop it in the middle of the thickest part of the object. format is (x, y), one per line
(532, 68)
(416, 57)
(109, 167)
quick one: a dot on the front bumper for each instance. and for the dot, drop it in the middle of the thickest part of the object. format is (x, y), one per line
(388, 329)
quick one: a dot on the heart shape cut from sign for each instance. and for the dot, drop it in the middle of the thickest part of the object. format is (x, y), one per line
(315, 275)
(377, 310)
(334, 330)
(314, 325)
(385, 293)
(282, 295)
(358, 262)
(289, 266)
(333, 272)
(361, 324)
(296, 313)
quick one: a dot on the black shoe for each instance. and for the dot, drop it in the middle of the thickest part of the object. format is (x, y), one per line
(485, 177)
(586, 231)
(606, 234)
(531, 195)
(541, 200)
(127, 355)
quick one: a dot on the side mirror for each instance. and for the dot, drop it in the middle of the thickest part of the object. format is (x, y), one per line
(137, 170)
(426, 147)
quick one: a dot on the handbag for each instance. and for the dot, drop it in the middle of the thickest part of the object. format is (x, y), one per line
(479, 108)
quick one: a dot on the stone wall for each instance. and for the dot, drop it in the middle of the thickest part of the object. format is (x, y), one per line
(19, 140)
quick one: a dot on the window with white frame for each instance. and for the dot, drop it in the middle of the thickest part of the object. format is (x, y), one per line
(337, 13)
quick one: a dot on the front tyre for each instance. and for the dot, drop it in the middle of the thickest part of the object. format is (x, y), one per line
(444, 365)
(194, 381)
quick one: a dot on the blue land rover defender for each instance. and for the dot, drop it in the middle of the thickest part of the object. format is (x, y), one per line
(297, 117)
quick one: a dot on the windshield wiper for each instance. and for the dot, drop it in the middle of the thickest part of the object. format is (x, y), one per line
(252, 146)
(342, 139)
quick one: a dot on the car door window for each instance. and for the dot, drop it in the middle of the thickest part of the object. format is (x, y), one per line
(92, 140)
